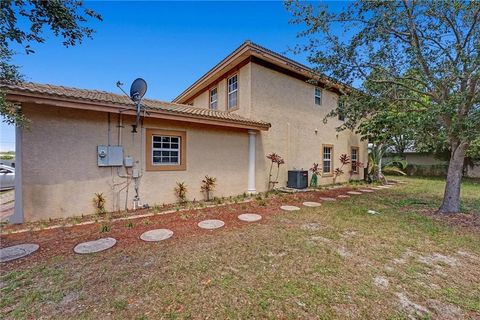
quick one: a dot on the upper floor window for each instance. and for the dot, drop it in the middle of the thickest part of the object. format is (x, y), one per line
(213, 99)
(232, 90)
(318, 96)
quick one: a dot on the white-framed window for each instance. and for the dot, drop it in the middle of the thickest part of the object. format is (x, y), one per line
(327, 159)
(166, 150)
(232, 92)
(213, 99)
(318, 96)
(354, 158)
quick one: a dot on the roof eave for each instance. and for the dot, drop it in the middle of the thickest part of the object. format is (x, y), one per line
(41, 99)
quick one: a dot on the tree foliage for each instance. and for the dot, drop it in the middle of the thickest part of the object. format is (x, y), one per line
(414, 61)
(23, 23)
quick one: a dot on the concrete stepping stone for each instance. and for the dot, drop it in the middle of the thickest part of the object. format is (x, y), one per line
(94, 246)
(384, 187)
(18, 251)
(343, 196)
(250, 217)
(289, 208)
(211, 224)
(311, 204)
(366, 190)
(156, 235)
(327, 199)
(375, 188)
(354, 192)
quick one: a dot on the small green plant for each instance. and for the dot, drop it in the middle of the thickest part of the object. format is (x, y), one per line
(104, 228)
(129, 225)
(208, 185)
(156, 208)
(99, 202)
(315, 169)
(261, 203)
(146, 222)
(181, 192)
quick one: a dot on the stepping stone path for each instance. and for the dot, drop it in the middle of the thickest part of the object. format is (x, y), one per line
(211, 224)
(94, 246)
(311, 204)
(366, 190)
(353, 192)
(327, 199)
(343, 196)
(250, 217)
(375, 188)
(17, 252)
(156, 235)
(385, 187)
(289, 208)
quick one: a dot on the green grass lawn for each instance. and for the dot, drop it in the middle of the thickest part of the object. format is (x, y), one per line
(332, 262)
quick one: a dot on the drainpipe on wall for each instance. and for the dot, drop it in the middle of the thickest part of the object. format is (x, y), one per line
(251, 161)
(17, 216)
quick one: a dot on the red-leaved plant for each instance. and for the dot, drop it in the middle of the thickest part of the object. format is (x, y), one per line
(344, 160)
(358, 165)
(274, 158)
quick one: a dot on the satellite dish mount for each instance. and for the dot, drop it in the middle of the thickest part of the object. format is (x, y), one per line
(137, 91)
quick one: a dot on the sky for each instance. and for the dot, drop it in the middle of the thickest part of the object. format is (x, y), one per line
(169, 44)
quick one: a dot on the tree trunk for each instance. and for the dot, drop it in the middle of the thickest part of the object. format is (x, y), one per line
(451, 197)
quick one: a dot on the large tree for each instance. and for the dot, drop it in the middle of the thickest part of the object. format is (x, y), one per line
(23, 23)
(424, 55)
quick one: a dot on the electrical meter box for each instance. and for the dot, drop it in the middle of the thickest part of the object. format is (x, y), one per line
(110, 156)
(128, 161)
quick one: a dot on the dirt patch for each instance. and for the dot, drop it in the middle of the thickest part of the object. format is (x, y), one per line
(445, 311)
(467, 221)
(412, 309)
(438, 258)
(381, 282)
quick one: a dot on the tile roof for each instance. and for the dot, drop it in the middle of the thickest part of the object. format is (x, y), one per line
(96, 96)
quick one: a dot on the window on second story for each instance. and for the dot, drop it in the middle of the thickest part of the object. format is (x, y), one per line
(213, 99)
(318, 96)
(232, 92)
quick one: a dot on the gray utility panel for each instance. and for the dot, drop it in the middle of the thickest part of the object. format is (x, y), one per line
(297, 179)
(110, 156)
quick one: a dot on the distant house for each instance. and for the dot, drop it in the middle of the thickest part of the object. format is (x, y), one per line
(252, 103)
(426, 164)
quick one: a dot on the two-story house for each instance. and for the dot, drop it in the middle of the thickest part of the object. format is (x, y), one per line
(254, 102)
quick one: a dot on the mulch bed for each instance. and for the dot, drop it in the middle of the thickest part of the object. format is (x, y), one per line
(61, 241)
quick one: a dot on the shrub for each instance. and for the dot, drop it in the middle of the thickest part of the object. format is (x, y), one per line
(274, 158)
(181, 191)
(315, 172)
(208, 185)
(344, 160)
(104, 228)
(99, 203)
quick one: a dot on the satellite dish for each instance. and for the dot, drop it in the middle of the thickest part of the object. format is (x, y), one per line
(138, 89)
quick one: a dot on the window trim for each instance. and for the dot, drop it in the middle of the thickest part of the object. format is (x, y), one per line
(210, 98)
(332, 160)
(315, 96)
(228, 108)
(351, 158)
(149, 148)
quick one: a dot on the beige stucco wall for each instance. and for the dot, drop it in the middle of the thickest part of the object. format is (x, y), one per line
(61, 176)
(288, 104)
